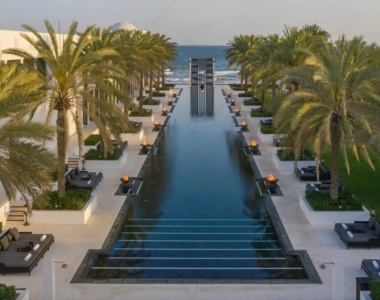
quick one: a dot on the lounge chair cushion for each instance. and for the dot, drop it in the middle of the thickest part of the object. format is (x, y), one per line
(4, 242)
(14, 232)
(371, 223)
(9, 236)
(377, 229)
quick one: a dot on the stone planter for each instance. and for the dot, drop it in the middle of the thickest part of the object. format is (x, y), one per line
(331, 217)
(365, 295)
(142, 119)
(86, 148)
(105, 164)
(288, 165)
(22, 294)
(65, 216)
(133, 137)
(155, 108)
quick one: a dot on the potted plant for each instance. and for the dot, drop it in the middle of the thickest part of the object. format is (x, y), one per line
(7, 292)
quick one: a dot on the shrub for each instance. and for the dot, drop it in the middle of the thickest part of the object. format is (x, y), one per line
(145, 113)
(265, 113)
(166, 87)
(287, 154)
(7, 292)
(321, 201)
(143, 97)
(267, 129)
(92, 140)
(134, 127)
(252, 102)
(96, 154)
(374, 288)
(54, 173)
(236, 87)
(74, 199)
(152, 102)
(248, 94)
(155, 94)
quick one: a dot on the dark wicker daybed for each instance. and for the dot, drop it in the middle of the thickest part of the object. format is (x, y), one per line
(372, 268)
(360, 234)
(21, 251)
(77, 179)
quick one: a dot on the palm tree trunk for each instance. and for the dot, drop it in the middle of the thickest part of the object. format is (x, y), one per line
(150, 85)
(274, 95)
(141, 93)
(163, 78)
(335, 147)
(61, 151)
(253, 92)
(263, 95)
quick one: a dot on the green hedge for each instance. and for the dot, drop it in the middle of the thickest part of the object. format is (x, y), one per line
(236, 87)
(145, 113)
(321, 201)
(155, 94)
(92, 140)
(153, 102)
(134, 127)
(287, 154)
(267, 129)
(74, 199)
(7, 292)
(248, 94)
(96, 154)
(374, 288)
(252, 102)
(265, 113)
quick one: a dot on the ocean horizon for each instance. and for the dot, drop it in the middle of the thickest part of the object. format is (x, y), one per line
(180, 67)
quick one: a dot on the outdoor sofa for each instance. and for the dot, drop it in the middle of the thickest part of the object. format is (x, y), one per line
(21, 251)
(372, 268)
(266, 122)
(309, 173)
(360, 234)
(323, 186)
(77, 179)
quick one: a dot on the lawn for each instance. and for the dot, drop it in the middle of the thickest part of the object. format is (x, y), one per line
(363, 181)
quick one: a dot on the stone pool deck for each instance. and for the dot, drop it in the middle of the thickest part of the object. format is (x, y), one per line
(73, 241)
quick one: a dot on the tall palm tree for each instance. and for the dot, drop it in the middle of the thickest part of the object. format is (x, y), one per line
(70, 69)
(24, 162)
(338, 102)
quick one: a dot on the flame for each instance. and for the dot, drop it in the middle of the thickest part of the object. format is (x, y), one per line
(243, 123)
(254, 144)
(233, 100)
(236, 110)
(164, 110)
(156, 123)
(271, 178)
(144, 143)
(125, 178)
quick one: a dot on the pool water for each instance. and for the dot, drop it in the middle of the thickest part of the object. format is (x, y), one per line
(198, 215)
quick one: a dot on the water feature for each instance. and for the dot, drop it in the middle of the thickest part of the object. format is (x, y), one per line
(198, 215)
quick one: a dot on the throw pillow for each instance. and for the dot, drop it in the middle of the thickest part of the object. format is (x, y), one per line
(71, 175)
(9, 236)
(76, 171)
(377, 229)
(14, 232)
(371, 223)
(4, 242)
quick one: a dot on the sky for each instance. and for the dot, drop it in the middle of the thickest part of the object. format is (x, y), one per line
(200, 22)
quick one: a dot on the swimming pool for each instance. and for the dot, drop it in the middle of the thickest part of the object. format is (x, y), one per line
(198, 215)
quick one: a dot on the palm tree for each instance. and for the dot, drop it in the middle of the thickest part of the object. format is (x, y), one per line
(70, 68)
(338, 102)
(24, 162)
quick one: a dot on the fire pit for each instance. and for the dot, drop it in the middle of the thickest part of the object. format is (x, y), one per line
(271, 180)
(237, 112)
(124, 179)
(170, 102)
(164, 112)
(244, 126)
(233, 101)
(228, 94)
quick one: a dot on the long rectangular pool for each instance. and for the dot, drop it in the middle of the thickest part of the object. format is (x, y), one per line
(198, 215)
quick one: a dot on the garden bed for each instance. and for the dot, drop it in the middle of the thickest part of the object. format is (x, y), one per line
(331, 217)
(65, 216)
(106, 164)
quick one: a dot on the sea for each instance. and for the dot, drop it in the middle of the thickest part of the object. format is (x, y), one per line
(180, 73)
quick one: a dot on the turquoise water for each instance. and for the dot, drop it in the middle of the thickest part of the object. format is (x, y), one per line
(198, 214)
